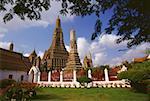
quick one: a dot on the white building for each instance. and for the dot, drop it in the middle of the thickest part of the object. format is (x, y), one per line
(13, 65)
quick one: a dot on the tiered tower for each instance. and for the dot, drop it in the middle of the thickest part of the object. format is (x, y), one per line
(87, 62)
(73, 59)
(56, 56)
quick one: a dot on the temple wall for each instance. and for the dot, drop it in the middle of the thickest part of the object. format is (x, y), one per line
(16, 75)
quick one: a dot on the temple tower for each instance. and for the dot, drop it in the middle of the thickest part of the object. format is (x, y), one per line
(56, 56)
(87, 62)
(73, 59)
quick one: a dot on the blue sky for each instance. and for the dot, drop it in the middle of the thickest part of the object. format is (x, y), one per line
(28, 35)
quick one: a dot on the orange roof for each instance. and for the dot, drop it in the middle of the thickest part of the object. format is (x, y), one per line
(142, 59)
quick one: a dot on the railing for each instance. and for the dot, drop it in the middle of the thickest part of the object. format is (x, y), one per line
(96, 84)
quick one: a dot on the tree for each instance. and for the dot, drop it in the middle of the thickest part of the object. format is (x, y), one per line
(130, 19)
(139, 75)
(23, 8)
(147, 51)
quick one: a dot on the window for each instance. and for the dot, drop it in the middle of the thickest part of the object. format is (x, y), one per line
(10, 76)
(22, 77)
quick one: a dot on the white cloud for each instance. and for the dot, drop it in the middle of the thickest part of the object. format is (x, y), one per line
(68, 48)
(4, 45)
(99, 58)
(26, 54)
(83, 47)
(105, 50)
(41, 54)
(111, 39)
(136, 52)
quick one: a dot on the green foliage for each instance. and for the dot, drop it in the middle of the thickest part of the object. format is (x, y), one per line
(20, 92)
(139, 76)
(135, 75)
(84, 79)
(147, 51)
(6, 82)
(127, 64)
(24, 8)
(130, 18)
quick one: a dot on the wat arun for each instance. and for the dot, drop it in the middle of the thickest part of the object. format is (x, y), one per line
(57, 57)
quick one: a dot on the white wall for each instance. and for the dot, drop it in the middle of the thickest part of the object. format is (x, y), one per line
(4, 74)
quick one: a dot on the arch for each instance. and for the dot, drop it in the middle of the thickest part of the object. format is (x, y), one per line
(33, 74)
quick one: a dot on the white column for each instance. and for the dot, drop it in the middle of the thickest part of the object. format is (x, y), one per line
(35, 78)
(89, 74)
(74, 76)
(49, 76)
(39, 74)
(106, 74)
(61, 76)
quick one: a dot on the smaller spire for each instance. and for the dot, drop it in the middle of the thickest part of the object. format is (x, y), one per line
(33, 57)
(58, 22)
(11, 47)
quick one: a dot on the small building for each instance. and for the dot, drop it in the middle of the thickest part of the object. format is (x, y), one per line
(13, 65)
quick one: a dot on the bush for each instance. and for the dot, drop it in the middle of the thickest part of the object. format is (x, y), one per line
(20, 91)
(84, 79)
(6, 82)
(139, 76)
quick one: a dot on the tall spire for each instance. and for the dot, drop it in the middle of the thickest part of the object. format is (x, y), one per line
(73, 44)
(58, 22)
(56, 56)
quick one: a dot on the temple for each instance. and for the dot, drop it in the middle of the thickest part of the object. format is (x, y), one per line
(58, 67)
(56, 56)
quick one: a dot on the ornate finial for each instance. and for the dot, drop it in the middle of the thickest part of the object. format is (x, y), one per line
(58, 23)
